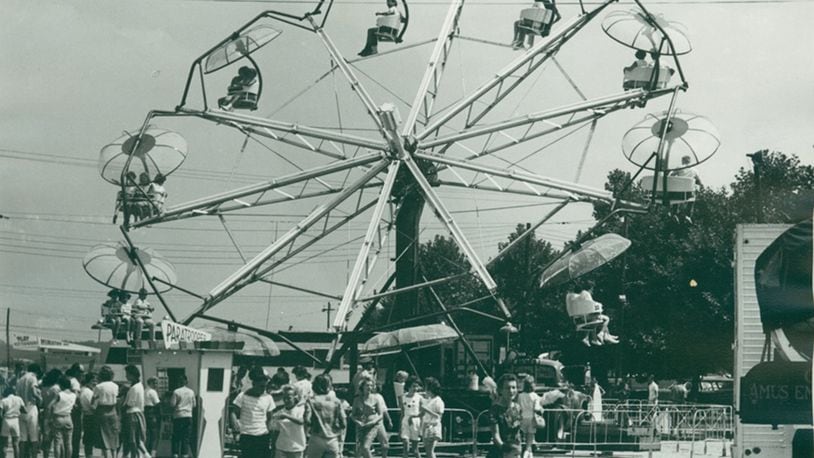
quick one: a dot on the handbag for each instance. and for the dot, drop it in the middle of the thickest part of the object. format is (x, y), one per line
(539, 420)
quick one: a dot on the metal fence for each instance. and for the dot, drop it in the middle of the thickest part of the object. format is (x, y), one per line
(618, 427)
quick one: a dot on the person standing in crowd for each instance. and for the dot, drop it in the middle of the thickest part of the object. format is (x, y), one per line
(74, 374)
(303, 383)
(652, 391)
(183, 403)
(251, 415)
(28, 390)
(368, 415)
(328, 421)
(368, 372)
(398, 387)
(85, 401)
(50, 391)
(105, 395)
(152, 414)
(432, 409)
(504, 417)
(12, 406)
(290, 418)
(530, 408)
(411, 417)
(134, 425)
(59, 415)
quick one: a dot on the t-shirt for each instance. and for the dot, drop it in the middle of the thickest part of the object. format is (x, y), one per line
(143, 309)
(183, 401)
(507, 419)
(412, 405)
(528, 402)
(65, 401)
(86, 400)
(254, 413)
(653, 393)
(28, 388)
(105, 394)
(304, 388)
(11, 406)
(135, 398)
(436, 406)
(292, 435)
(151, 398)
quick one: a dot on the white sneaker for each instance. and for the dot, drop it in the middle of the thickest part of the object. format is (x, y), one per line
(611, 339)
(586, 341)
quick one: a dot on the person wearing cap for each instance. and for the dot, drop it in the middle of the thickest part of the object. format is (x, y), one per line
(183, 403)
(251, 415)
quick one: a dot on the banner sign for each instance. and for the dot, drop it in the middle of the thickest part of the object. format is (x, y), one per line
(174, 333)
(24, 342)
(776, 393)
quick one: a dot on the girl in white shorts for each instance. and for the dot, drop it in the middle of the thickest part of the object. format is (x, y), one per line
(432, 409)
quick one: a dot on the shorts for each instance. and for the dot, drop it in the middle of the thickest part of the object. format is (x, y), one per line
(431, 431)
(11, 427)
(411, 429)
(323, 447)
(29, 424)
(284, 454)
(528, 426)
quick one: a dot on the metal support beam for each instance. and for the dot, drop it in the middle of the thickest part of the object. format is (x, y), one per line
(428, 89)
(248, 269)
(521, 176)
(546, 46)
(449, 222)
(360, 266)
(228, 117)
(287, 180)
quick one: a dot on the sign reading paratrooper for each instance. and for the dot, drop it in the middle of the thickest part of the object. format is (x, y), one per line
(174, 333)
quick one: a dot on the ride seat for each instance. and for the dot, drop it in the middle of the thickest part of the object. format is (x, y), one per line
(679, 189)
(246, 96)
(388, 27)
(584, 310)
(640, 77)
(536, 20)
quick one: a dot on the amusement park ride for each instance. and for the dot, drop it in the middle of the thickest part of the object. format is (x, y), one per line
(407, 163)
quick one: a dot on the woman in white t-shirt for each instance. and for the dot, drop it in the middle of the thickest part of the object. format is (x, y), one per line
(252, 413)
(432, 409)
(290, 419)
(411, 416)
(104, 399)
(61, 426)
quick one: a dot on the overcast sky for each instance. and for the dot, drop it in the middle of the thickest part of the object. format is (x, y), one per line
(79, 73)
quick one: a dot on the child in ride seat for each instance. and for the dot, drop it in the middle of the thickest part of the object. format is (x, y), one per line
(522, 26)
(242, 91)
(157, 194)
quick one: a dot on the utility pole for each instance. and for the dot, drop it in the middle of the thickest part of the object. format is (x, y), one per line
(328, 309)
(8, 339)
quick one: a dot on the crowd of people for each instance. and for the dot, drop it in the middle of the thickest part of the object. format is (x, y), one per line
(128, 318)
(292, 416)
(67, 412)
(142, 197)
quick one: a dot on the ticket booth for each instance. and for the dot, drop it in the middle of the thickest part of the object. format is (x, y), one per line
(209, 371)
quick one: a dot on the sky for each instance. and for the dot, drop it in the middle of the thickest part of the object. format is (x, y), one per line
(78, 74)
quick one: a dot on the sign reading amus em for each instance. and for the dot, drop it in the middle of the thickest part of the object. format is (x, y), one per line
(776, 393)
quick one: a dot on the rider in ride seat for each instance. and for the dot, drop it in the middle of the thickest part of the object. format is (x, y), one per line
(536, 20)
(589, 319)
(387, 30)
(242, 91)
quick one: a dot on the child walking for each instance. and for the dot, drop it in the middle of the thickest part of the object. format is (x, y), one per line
(12, 405)
(290, 418)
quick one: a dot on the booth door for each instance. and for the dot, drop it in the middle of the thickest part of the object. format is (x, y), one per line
(169, 378)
